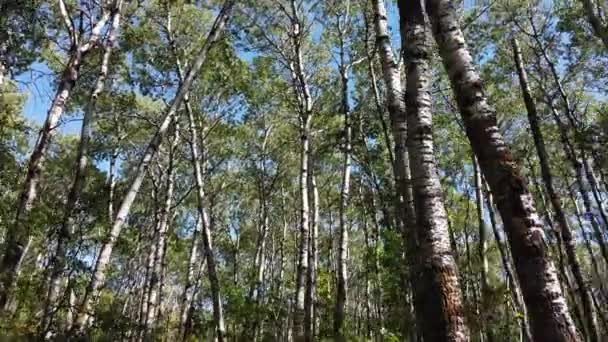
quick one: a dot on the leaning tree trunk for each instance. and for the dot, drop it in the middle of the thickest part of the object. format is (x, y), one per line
(398, 117)
(218, 315)
(19, 234)
(556, 202)
(581, 166)
(482, 251)
(577, 166)
(506, 263)
(550, 317)
(97, 280)
(67, 226)
(435, 275)
(189, 289)
(154, 285)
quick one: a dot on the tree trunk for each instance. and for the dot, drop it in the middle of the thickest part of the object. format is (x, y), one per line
(599, 28)
(313, 257)
(396, 109)
(154, 285)
(342, 276)
(437, 291)
(302, 92)
(506, 263)
(302, 268)
(581, 165)
(103, 258)
(149, 267)
(18, 235)
(577, 166)
(482, 251)
(556, 202)
(218, 315)
(406, 216)
(546, 304)
(67, 225)
(255, 290)
(188, 294)
(281, 319)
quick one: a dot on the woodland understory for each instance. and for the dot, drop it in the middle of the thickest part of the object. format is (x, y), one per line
(304, 170)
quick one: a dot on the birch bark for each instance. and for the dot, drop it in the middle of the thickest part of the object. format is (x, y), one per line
(18, 235)
(550, 317)
(437, 289)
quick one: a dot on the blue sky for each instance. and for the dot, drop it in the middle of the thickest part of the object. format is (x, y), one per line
(38, 85)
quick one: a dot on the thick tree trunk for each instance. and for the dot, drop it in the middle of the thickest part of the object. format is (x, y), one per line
(437, 290)
(18, 235)
(556, 202)
(66, 229)
(103, 258)
(546, 304)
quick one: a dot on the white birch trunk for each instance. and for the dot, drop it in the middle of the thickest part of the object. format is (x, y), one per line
(550, 317)
(98, 278)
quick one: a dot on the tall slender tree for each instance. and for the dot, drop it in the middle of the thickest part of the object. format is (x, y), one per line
(66, 229)
(103, 258)
(19, 234)
(554, 198)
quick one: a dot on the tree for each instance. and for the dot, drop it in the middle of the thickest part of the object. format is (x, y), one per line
(548, 310)
(437, 292)
(18, 236)
(121, 216)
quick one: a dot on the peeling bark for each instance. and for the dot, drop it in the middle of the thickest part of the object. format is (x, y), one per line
(437, 289)
(550, 317)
